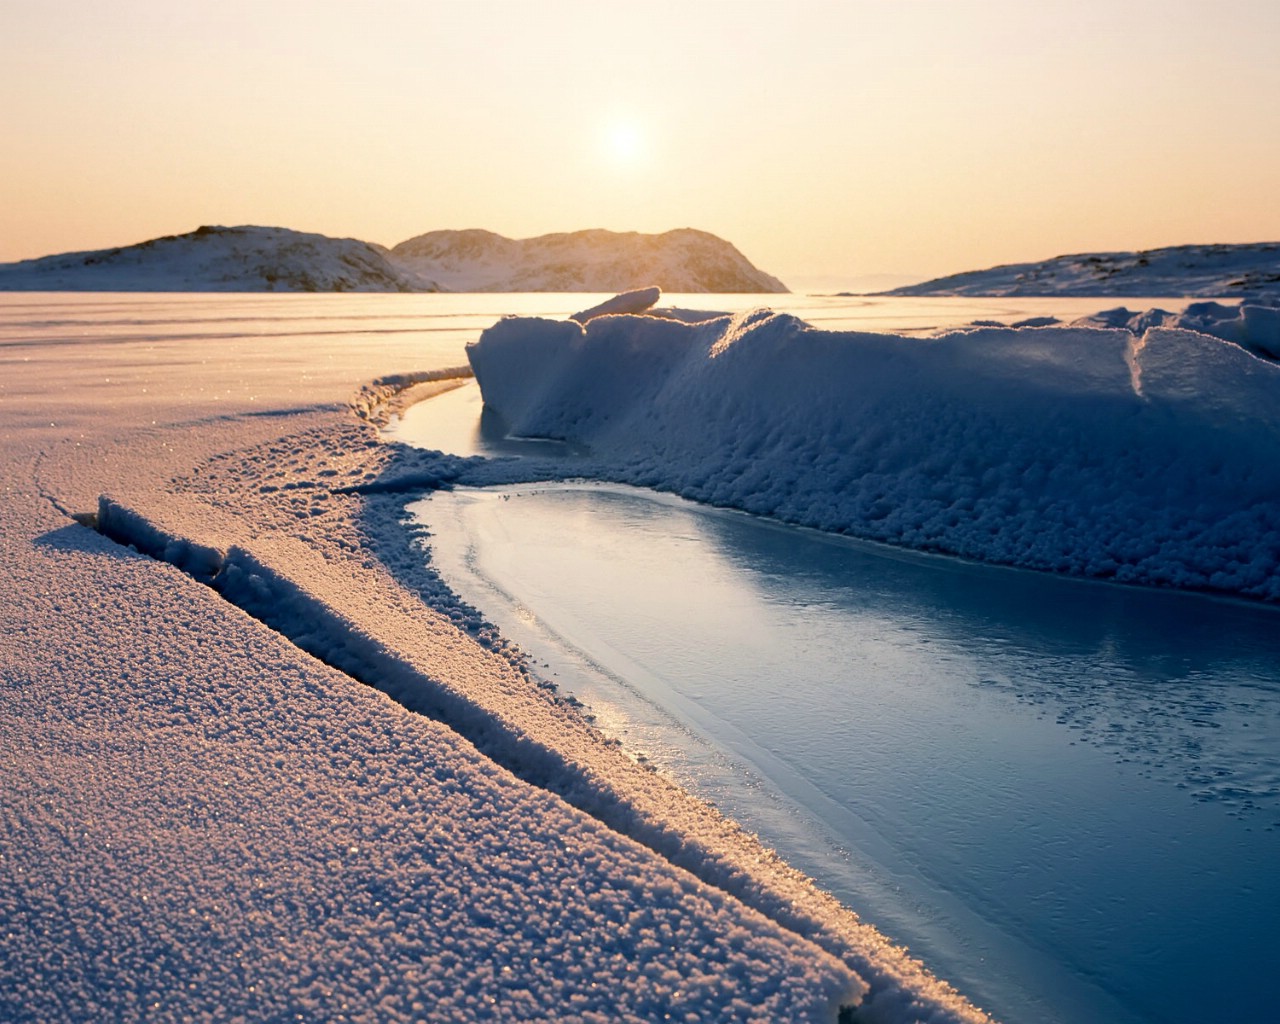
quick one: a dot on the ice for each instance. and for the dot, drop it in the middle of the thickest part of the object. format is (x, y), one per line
(305, 791)
(1001, 748)
(626, 302)
(1254, 326)
(1090, 451)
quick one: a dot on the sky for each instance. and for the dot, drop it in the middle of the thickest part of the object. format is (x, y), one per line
(824, 139)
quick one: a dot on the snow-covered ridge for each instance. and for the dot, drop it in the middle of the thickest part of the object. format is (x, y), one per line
(1253, 326)
(248, 259)
(220, 259)
(1207, 271)
(683, 260)
(1094, 452)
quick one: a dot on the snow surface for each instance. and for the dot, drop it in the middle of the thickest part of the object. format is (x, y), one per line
(1145, 459)
(1209, 271)
(1254, 326)
(684, 260)
(251, 772)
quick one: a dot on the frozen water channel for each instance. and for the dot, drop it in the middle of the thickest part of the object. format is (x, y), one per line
(1063, 796)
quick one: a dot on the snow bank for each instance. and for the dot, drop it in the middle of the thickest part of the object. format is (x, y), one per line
(1094, 452)
(213, 826)
(1254, 326)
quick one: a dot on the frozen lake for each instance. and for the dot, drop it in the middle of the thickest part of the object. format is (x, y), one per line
(1063, 796)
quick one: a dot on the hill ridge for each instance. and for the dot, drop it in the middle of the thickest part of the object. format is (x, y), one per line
(1218, 270)
(251, 258)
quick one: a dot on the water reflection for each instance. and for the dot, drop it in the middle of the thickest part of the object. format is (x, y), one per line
(1062, 794)
(458, 422)
(1186, 687)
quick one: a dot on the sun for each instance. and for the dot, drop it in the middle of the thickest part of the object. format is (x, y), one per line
(624, 144)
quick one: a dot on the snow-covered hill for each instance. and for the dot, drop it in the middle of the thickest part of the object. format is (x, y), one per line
(1207, 271)
(684, 260)
(220, 259)
(250, 259)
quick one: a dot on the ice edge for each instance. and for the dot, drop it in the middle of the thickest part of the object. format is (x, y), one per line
(272, 597)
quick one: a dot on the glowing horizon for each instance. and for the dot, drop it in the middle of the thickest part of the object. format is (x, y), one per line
(883, 136)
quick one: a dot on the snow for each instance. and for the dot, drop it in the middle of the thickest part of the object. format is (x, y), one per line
(250, 258)
(1209, 271)
(235, 259)
(637, 301)
(1252, 325)
(259, 763)
(1145, 459)
(251, 771)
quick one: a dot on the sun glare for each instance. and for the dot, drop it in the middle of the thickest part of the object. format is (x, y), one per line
(624, 144)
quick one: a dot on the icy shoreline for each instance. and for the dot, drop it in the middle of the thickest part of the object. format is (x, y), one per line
(203, 818)
(369, 629)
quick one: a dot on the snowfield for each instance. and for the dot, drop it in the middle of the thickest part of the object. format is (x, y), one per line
(252, 770)
(1143, 458)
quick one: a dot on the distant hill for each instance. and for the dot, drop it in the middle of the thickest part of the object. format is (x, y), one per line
(684, 260)
(218, 259)
(251, 259)
(1205, 271)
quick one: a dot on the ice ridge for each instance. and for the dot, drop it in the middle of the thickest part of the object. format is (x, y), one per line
(1079, 450)
(296, 602)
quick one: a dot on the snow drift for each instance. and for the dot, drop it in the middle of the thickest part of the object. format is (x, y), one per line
(1094, 452)
(1251, 325)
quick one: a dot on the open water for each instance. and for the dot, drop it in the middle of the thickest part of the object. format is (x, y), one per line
(1063, 796)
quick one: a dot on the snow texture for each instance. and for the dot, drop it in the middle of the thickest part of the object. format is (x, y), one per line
(1146, 459)
(256, 769)
(684, 260)
(1208, 271)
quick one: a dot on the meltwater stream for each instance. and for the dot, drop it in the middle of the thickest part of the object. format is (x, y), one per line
(1063, 796)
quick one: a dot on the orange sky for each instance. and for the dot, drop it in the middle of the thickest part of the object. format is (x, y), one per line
(898, 136)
